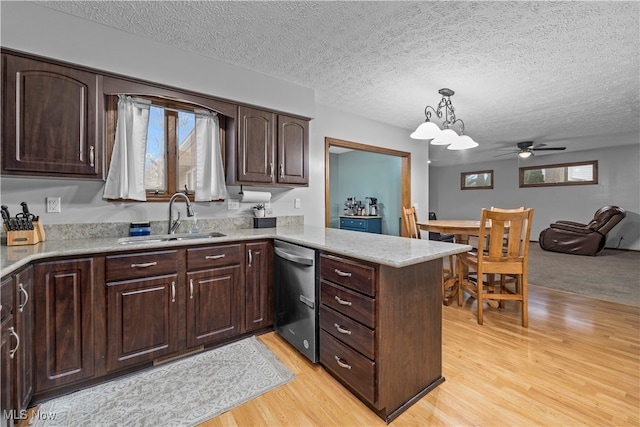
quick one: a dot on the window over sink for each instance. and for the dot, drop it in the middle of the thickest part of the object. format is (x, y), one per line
(170, 156)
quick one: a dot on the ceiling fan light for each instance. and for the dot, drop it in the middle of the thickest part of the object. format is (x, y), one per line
(427, 130)
(525, 154)
(446, 137)
(463, 142)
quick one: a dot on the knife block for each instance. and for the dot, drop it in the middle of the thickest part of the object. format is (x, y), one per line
(25, 237)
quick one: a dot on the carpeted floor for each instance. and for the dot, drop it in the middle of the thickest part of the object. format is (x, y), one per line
(184, 392)
(612, 275)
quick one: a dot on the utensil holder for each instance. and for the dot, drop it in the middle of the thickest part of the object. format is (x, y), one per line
(25, 237)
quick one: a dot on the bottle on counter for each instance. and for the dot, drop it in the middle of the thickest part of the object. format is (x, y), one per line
(194, 224)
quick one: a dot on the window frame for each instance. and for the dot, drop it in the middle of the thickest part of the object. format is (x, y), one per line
(463, 180)
(171, 154)
(593, 181)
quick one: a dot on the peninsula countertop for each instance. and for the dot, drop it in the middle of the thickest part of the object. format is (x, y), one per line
(387, 250)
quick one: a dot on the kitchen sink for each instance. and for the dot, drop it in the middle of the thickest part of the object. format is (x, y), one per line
(167, 238)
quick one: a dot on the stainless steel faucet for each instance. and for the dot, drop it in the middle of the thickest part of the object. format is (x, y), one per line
(173, 225)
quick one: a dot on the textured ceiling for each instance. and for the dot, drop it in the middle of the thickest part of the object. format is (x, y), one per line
(559, 73)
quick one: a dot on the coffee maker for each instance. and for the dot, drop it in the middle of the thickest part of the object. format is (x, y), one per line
(373, 206)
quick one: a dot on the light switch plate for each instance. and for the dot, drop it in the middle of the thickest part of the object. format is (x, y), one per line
(296, 203)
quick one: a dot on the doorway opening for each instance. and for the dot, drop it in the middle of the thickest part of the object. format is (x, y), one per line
(332, 207)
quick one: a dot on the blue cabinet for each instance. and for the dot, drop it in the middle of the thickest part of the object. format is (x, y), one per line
(367, 224)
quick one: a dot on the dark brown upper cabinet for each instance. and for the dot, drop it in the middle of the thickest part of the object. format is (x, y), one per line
(271, 149)
(256, 156)
(50, 122)
(293, 151)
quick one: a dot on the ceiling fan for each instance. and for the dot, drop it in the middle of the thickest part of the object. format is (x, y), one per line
(526, 149)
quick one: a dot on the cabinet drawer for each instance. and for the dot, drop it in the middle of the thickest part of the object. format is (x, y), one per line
(353, 224)
(130, 266)
(354, 369)
(348, 273)
(349, 303)
(213, 256)
(348, 331)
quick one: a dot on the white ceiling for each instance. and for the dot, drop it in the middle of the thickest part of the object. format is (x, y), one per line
(561, 73)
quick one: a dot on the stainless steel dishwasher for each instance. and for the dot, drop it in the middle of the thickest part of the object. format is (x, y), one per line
(297, 297)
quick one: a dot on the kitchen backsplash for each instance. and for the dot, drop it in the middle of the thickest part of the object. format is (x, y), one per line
(121, 229)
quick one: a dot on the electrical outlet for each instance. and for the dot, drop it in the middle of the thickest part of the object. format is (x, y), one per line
(296, 203)
(233, 204)
(53, 204)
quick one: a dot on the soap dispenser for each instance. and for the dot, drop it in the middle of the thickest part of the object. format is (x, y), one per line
(194, 224)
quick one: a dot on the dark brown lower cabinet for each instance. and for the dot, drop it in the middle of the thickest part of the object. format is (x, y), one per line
(213, 312)
(258, 285)
(63, 322)
(23, 324)
(7, 344)
(142, 320)
(381, 330)
(84, 318)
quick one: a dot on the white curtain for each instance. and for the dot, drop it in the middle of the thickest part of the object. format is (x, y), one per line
(125, 179)
(210, 183)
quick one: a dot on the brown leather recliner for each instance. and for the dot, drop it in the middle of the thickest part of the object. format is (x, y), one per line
(581, 239)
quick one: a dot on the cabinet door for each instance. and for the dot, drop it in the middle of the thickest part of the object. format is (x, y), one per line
(63, 322)
(23, 321)
(7, 344)
(7, 401)
(49, 123)
(293, 150)
(255, 154)
(213, 311)
(258, 287)
(142, 320)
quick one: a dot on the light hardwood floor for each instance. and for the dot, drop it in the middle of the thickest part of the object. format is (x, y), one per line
(578, 363)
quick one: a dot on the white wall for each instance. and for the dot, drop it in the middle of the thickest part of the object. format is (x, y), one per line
(35, 29)
(340, 125)
(618, 184)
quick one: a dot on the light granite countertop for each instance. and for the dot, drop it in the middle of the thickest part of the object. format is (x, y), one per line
(382, 249)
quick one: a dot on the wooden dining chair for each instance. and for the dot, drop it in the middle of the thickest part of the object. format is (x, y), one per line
(505, 277)
(496, 257)
(410, 216)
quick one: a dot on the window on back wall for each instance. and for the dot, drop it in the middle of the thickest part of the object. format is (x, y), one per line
(170, 150)
(577, 173)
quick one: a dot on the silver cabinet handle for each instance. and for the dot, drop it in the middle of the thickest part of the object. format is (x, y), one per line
(26, 297)
(341, 329)
(341, 363)
(190, 288)
(92, 156)
(342, 273)
(271, 169)
(144, 264)
(12, 352)
(173, 291)
(341, 301)
(214, 256)
(281, 170)
(250, 257)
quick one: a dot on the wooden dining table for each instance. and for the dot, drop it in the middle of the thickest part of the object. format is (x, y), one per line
(461, 230)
